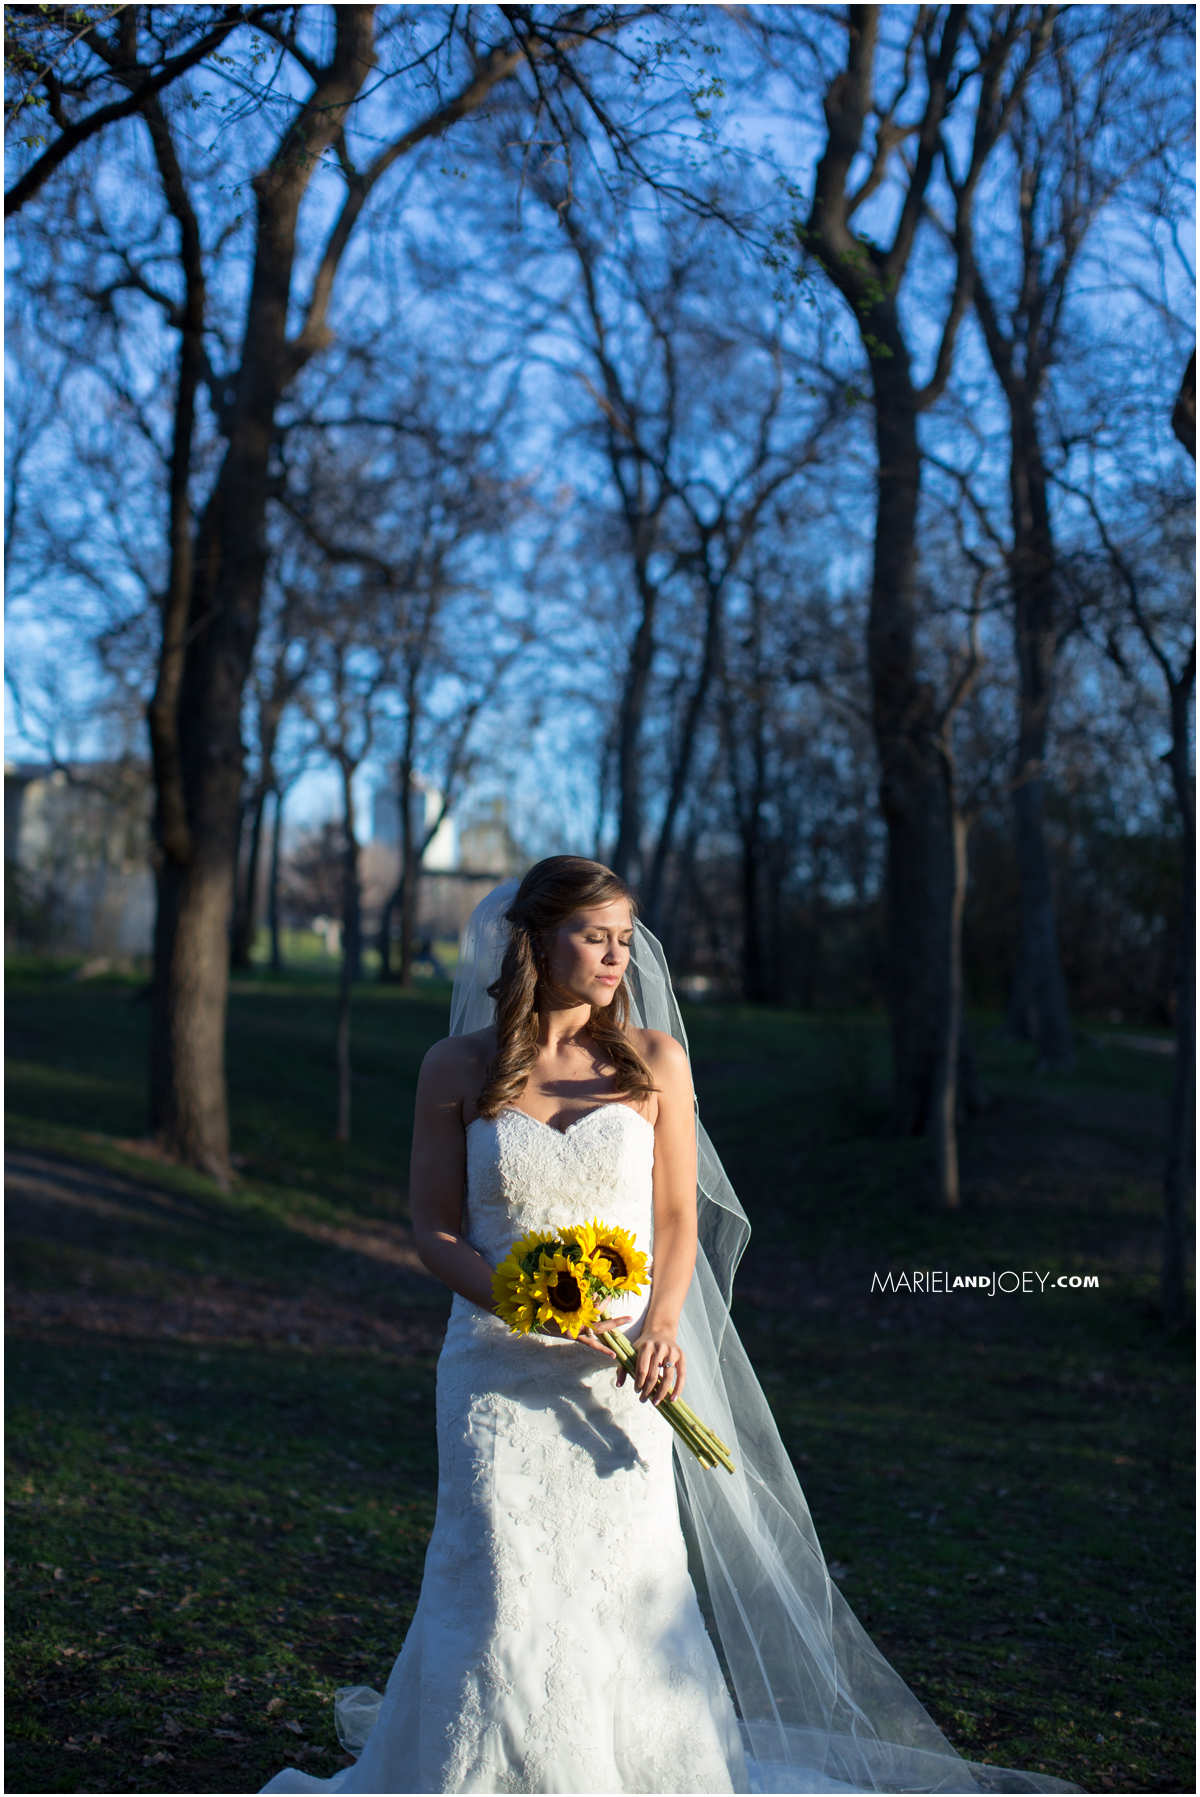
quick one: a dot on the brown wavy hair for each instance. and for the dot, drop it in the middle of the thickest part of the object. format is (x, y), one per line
(551, 892)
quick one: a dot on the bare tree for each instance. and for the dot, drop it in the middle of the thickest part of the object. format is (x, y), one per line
(443, 743)
(1164, 622)
(720, 511)
(698, 412)
(418, 501)
(642, 380)
(1089, 123)
(342, 702)
(745, 721)
(276, 681)
(795, 732)
(210, 618)
(637, 420)
(59, 62)
(907, 715)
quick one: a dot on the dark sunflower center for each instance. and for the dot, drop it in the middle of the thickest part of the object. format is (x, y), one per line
(565, 1293)
(617, 1265)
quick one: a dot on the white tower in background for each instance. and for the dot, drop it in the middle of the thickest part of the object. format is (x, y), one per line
(426, 801)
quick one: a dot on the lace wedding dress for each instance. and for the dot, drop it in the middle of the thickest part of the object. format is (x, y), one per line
(558, 1644)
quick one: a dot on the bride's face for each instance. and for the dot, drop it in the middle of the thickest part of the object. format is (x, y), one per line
(587, 956)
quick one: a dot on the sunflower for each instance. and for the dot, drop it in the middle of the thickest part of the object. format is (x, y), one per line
(560, 1291)
(611, 1257)
(512, 1295)
(584, 1236)
(527, 1253)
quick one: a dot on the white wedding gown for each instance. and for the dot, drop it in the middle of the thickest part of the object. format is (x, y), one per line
(558, 1644)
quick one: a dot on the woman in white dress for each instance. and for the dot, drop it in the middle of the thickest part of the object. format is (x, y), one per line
(559, 1644)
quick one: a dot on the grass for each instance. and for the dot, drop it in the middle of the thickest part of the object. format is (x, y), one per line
(200, 1558)
(223, 1461)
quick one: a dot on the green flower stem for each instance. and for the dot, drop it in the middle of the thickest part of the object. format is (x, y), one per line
(707, 1437)
(703, 1442)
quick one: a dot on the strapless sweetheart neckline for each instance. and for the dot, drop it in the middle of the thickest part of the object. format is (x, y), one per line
(598, 1110)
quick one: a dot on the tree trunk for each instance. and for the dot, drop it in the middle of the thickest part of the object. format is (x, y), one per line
(351, 968)
(351, 892)
(755, 984)
(273, 890)
(196, 817)
(624, 859)
(915, 794)
(172, 826)
(207, 664)
(383, 941)
(1178, 1176)
(409, 900)
(245, 921)
(943, 1117)
(342, 1132)
(679, 917)
(973, 1098)
(196, 899)
(681, 771)
(914, 786)
(1038, 1009)
(271, 708)
(1039, 1005)
(352, 927)
(406, 889)
(237, 922)
(189, 1112)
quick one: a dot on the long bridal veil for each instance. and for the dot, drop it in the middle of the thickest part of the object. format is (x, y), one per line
(820, 1708)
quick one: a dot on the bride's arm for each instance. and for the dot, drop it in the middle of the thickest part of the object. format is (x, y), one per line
(658, 1347)
(438, 1173)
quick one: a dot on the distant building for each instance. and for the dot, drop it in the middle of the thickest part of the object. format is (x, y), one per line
(78, 873)
(426, 802)
(80, 880)
(487, 854)
(465, 858)
(486, 845)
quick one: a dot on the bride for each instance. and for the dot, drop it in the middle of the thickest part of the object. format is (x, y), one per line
(560, 1644)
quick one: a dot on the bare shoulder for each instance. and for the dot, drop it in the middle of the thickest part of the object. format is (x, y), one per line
(665, 1057)
(455, 1066)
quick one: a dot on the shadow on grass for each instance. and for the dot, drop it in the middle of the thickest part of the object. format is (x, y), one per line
(206, 1543)
(221, 1414)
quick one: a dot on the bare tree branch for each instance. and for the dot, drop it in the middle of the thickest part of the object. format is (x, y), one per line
(35, 177)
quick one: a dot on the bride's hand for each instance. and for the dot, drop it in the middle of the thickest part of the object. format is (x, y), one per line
(589, 1338)
(661, 1367)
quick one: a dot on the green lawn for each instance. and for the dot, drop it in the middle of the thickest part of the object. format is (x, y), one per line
(221, 1433)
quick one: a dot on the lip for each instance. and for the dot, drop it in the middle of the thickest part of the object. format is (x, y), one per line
(608, 979)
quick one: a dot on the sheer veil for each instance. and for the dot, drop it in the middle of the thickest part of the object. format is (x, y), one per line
(820, 1708)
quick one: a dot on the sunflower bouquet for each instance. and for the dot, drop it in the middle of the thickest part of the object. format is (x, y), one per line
(560, 1283)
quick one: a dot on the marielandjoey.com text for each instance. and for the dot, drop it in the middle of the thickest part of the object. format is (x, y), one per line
(927, 1283)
